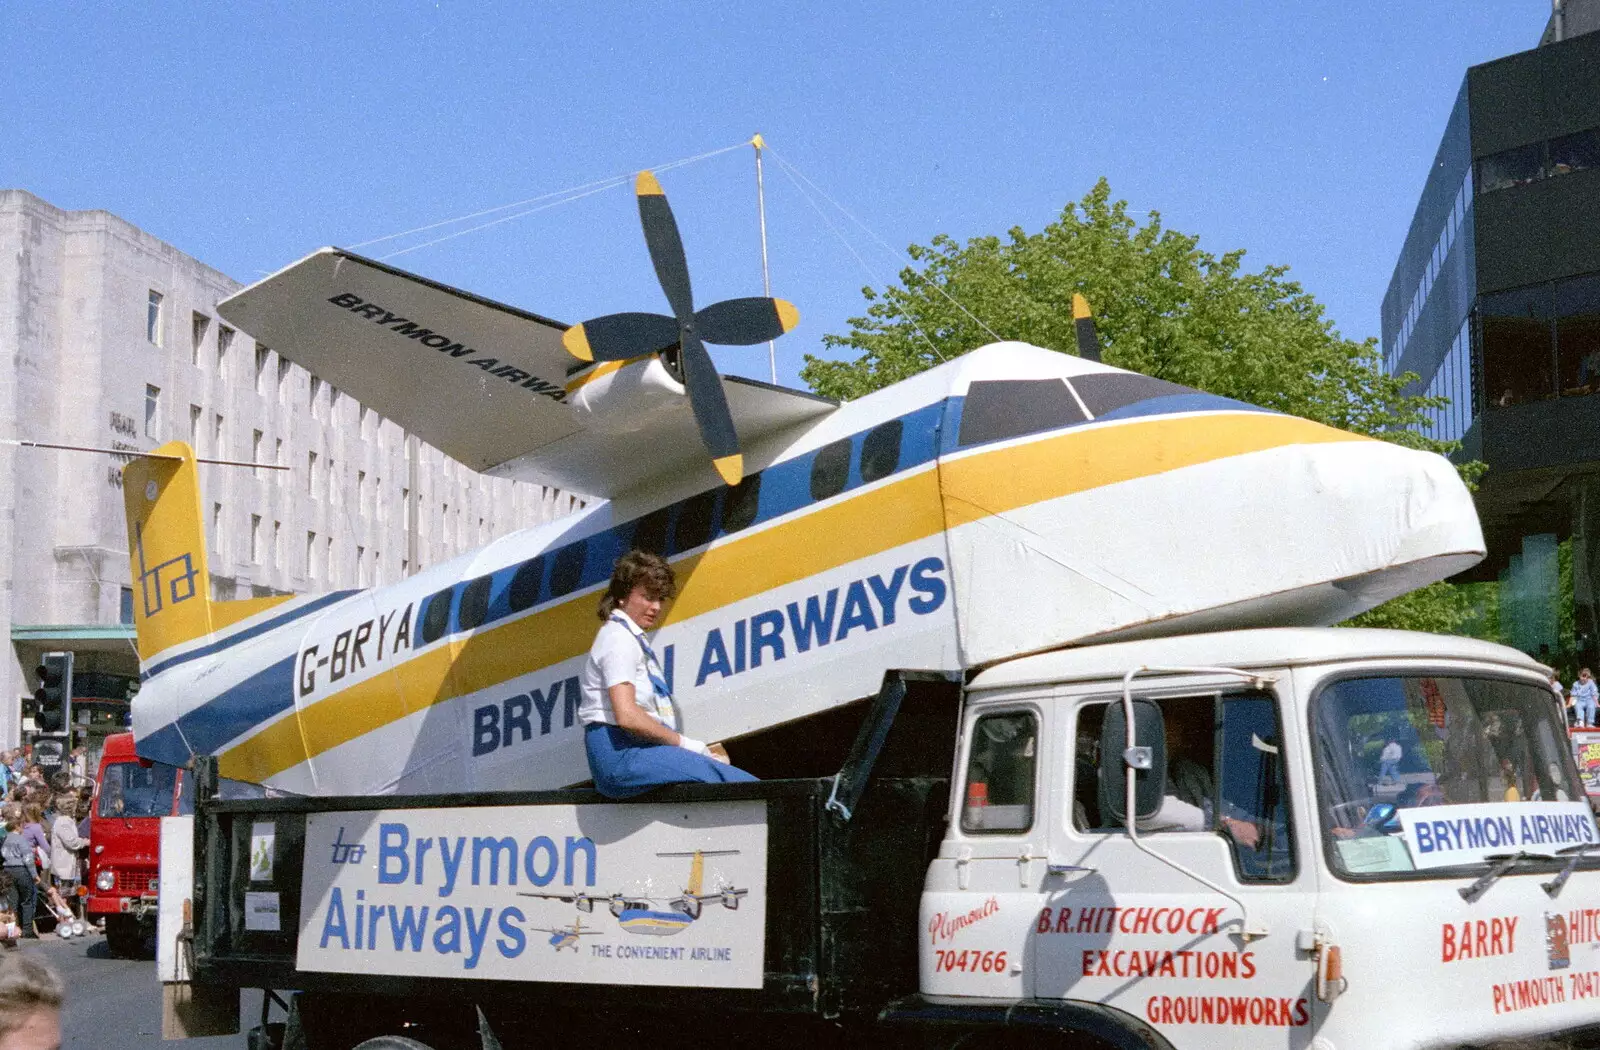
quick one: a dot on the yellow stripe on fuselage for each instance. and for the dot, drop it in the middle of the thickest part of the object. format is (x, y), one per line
(974, 485)
(604, 368)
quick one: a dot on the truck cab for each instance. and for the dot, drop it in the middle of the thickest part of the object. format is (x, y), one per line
(1285, 878)
(131, 795)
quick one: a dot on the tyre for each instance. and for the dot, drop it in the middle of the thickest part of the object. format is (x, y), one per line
(391, 1042)
(124, 938)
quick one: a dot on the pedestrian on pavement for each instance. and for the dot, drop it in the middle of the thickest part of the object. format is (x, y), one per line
(1585, 694)
(66, 847)
(30, 1004)
(1389, 762)
(16, 854)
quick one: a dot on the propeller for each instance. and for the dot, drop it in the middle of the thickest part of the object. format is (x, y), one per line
(680, 339)
(1083, 326)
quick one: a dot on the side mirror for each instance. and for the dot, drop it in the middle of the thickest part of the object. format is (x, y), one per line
(1150, 779)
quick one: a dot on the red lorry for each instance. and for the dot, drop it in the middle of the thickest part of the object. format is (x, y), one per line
(131, 795)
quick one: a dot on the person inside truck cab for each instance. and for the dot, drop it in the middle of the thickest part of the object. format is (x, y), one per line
(1191, 802)
(630, 721)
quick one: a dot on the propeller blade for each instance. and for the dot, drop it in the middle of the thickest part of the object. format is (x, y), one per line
(666, 246)
(711, 413)
(1083, 324)
(745, 322)
(620, 337)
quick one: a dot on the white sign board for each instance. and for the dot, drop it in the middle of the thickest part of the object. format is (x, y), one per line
(602, 894)
(1439, 836)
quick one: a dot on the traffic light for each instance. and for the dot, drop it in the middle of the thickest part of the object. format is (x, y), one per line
(54, 695)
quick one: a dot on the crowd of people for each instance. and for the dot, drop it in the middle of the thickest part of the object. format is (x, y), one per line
(44, 849)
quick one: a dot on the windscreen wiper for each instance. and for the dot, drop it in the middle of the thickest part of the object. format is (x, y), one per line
(1553, 887)
(1503, 862)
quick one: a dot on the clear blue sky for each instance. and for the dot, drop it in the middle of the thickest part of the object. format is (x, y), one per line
(249, 134)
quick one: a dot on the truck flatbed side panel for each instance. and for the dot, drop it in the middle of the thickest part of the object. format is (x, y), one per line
(839, 923)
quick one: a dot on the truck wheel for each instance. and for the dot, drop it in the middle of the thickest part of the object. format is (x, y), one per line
(391, 1042)
(123, 937)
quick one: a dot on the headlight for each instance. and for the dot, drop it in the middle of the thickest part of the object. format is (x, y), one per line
(105, 880)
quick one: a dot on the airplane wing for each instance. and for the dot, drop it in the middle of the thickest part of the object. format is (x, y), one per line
(484, 382)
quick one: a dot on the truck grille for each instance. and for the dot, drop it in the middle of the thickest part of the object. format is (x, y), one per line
(135, 882)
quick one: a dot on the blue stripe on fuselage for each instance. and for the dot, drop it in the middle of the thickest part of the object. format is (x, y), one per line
(205, 729)
(319, 602)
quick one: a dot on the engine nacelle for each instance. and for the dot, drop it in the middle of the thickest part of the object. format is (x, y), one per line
(619, 397)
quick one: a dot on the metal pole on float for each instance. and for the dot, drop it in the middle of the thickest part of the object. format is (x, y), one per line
(766, 278)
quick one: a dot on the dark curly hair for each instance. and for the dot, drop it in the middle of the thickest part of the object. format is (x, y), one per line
(637, 568)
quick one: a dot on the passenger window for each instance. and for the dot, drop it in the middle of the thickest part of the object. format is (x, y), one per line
(474, 604)
(567, 572)
(436, 617)
(880, 451)
(741, 503)
(830, 470)
(1000, 773)
(694, 522)
(524, 590)
(650, 534)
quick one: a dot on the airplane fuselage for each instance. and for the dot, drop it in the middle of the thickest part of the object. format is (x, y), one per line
(1012, 501)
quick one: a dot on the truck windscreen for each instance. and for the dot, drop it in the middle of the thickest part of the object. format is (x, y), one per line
(1429, 771)
(129, 789)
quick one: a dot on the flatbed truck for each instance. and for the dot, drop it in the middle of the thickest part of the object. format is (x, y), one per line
(1184, 843)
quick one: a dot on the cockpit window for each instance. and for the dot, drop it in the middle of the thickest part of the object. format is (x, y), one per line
(997, 409)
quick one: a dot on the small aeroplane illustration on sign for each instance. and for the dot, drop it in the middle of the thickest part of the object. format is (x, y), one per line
(639, 914)
(566, 936)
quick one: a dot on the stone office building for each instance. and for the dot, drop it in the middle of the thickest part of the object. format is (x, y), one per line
(109, 338)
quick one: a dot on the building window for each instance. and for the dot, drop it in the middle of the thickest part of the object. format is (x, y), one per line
(277, 544)
(1512, 167)
(152, 318)
(277, 457)
(255, 538)
(1577, 308)
(152, 410)
(262, 354)
(255, 450)
(333, 482)
(195, 415)
(283, 380)
(1518, 346)
(311, 473)
(218, 448)
(361, 566)
(125, 612)
(1575, 152)
(328, 559)
(216, 533)
(311, 554)
(361, 491)
(201, 323)
(311, 402)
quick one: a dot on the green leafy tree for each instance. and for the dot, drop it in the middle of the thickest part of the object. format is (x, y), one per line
(1164, 307)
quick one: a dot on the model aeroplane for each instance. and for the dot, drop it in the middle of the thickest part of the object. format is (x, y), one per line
(638, 914)
(1010, 501)
(566, 936)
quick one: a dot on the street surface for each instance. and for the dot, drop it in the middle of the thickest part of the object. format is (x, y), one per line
(115, 1004)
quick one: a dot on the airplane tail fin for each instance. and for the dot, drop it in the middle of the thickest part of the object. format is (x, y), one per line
(167, 549)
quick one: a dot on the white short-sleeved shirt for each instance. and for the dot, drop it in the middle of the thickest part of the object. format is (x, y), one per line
(616, 657)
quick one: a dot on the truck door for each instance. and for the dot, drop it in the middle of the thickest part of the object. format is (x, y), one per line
(1138, 930)
(990, 868)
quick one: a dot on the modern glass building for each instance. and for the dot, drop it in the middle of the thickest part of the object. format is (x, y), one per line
(1495, 298)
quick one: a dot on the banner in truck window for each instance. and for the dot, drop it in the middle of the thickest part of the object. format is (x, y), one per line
(602, 894)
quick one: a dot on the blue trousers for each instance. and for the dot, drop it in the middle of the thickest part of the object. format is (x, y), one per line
(624, 766)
